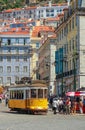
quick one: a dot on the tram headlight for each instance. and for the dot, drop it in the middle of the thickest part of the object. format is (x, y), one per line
(32, 107)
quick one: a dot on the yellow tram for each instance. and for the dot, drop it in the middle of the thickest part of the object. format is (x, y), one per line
(31, 98)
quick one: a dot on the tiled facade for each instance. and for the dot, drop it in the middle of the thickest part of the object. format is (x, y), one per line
(14, 56)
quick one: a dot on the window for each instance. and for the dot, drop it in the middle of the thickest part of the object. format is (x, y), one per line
(83, 52)
(33, 93)
(17, 58)
(37, 45)
(17, 68)
(73, 23)
(40, 93)
(4, 40)
(27, 93)
(1, 58)
(9, 42)
(9, 49)
(16, 79)
(21, 40)
(17, 40)
(19, 94)
(8, 58)
(70, 45)
(9, 80)
(45, 93)
(25, 58)
(13, 40)
(1, 80)
(73, 43)
(69, 26)
(17, 50)
(8, 69)
(24, 68)
(1, 50)
(1, 69)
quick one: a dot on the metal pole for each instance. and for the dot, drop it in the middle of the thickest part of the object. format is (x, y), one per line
(74, 74)
(62, 78)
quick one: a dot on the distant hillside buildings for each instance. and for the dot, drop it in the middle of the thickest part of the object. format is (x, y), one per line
(46, 45)
(36, 12)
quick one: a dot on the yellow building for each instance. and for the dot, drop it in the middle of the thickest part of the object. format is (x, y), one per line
(38, 34)
(67, 33)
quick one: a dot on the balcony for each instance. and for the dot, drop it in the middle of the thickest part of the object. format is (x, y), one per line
(15, 54)
(65, 74)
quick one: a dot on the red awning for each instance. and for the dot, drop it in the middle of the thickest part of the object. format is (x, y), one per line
(79, 93)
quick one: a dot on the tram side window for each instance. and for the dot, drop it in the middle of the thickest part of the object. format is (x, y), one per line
(27, 93)
(45, 93)
(11, 94)
(33, 93)
(40, 93)
(19, 94)
(22, 94)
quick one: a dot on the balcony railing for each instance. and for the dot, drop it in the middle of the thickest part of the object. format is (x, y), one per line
(65, 74)
(15, 53)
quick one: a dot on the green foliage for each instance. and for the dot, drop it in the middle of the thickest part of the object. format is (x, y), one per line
(7, 4)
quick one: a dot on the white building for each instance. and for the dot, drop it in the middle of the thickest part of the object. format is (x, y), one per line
(46, 63)
(81, 30)
(36, 12)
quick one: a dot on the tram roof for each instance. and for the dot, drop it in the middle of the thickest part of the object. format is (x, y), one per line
(28, 85)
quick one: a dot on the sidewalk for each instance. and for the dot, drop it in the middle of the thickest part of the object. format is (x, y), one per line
(83, 114)
(3, 107)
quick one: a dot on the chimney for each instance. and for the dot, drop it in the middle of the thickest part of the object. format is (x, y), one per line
(68, 2)
(50, 4)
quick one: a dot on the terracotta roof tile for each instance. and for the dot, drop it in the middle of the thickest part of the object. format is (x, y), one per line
(53, 19)
(38, 29)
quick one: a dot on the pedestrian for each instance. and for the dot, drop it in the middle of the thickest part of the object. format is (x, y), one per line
(84, 105)
(73, 106)
(0, 99)
(60, 105)
(68, 106)
(55, 105)
(81, 106)
(6, 100)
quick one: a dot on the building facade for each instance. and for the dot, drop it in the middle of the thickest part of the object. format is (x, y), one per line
(67, 60)
(36, 12)
(46, 63)
(81, 38)
(14, 55)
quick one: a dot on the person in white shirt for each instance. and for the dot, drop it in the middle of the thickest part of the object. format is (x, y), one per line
(55, 105)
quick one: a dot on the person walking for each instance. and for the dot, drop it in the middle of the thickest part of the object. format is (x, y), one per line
(68, 106)
(73, 106)
(55, 106)
(84, 105)
(6, 100)
(60, 105)
(81, 106)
